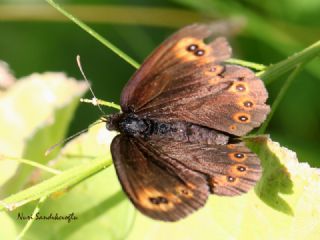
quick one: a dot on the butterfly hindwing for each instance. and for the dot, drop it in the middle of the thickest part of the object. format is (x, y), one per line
(230, 169)
(164, 193)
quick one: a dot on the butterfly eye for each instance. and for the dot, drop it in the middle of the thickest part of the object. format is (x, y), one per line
(192, 47)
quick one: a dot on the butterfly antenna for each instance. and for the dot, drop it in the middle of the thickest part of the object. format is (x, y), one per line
(95, 99)
(50, 149)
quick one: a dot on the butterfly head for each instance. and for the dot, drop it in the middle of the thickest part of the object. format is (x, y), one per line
(112, 121)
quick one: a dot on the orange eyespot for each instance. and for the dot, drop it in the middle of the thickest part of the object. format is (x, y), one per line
(241, 168)
(238, 170)
(199, 52)
(231, 179)
(156, 200)
(223, 180)
(192, 47)
(233, 127)
(246, 103)
(184, 191)
(214, 71)
(238, 156)
(242, 117)
(239, 88)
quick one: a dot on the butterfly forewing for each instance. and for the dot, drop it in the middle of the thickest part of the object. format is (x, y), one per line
(177, 83)
(233, 101)
(151, 79)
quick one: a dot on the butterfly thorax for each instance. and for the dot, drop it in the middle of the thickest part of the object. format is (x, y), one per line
(128, 124)
(132, 125)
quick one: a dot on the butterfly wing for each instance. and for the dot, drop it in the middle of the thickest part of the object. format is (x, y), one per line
(161, 192)
(232, 101)
(156, 72)
(176, 83)
(230, 169)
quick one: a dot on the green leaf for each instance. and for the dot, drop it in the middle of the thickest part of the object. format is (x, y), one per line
(96, 35)
(36, 112)
(285, 199)
(98, 202)
(9, 231)
(285, 183)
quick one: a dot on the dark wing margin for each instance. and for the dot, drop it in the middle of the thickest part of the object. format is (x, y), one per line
(158, 192)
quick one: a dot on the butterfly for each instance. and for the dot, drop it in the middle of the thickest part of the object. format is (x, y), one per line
(182, 115)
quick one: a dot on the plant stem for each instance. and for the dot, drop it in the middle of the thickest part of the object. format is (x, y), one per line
(30, 221)
(97, 36)
(31, 163)
(256, 66)
(56, 183)
(280, 96)
(275, 71)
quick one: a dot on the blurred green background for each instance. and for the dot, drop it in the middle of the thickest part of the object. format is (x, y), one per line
(35, 38)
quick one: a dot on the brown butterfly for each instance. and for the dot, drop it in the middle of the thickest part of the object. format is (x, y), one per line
(182, 112)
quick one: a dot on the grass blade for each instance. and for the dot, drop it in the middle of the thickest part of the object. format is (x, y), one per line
(275, 71)
(94, 34)
(57, 183)
(280, 96)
